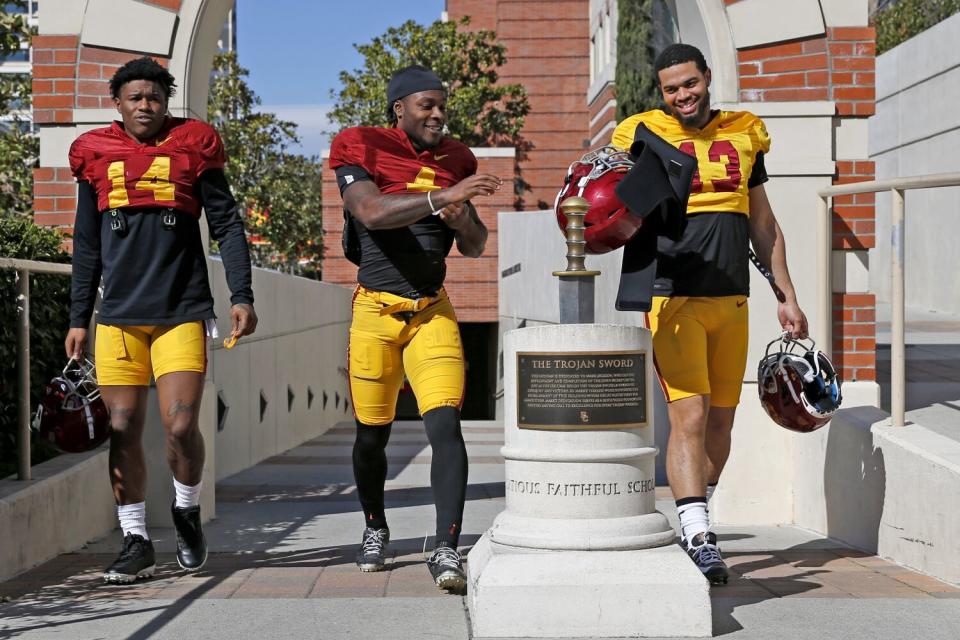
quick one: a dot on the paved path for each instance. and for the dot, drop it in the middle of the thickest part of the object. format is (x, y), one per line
(283, 548)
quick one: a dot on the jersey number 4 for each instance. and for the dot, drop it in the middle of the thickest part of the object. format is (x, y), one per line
(718, 149)
(424, 181)
(156, 179)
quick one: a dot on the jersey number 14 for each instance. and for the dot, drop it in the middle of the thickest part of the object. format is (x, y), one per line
(156, 179)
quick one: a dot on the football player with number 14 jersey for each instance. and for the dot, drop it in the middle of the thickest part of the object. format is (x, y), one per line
(143, 182)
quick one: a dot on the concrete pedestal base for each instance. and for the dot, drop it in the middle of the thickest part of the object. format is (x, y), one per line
(516, 592)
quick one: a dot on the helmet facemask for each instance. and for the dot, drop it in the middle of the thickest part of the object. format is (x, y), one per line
(798, 385)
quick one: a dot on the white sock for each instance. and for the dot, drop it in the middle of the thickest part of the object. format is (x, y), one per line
(187, 496)
(710, 490)
(693, 519)
(133, 519)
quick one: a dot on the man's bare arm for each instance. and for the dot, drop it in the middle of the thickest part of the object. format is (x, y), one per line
(471, 233)
(376, 210)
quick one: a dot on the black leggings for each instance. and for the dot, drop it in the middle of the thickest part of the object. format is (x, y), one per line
(448, 471)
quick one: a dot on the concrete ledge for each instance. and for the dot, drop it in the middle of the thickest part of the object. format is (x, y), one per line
(920, 517)
(68, 502)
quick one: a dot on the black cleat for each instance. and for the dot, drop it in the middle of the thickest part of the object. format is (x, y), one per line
(136, 560)
(703, 550)
(373, 549)
(191, 545)
(446, 569)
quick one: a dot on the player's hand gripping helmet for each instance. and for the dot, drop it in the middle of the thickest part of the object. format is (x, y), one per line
(609, 224)
(798, 385)
(72, 416)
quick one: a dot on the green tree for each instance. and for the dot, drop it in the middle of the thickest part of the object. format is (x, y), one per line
(278, 191)
(907, 18)
(480, 112)
(19, 148)
(637, 88)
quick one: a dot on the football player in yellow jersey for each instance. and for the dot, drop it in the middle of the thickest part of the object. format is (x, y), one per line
(699, 314)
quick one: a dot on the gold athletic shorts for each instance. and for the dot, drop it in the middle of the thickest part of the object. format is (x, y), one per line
(700, 346)
(391, 335)
(127, 355)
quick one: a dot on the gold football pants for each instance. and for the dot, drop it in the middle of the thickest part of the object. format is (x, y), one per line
(127, 355)
(391, 336)
(700, 347)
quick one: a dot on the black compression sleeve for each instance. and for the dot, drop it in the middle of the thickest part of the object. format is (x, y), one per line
(349, 174)
(448, 471)
(87, 262)
(370, 471)
(226, 228)
(758, 175)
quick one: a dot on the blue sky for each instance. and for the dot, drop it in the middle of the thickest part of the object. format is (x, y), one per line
(295, 50)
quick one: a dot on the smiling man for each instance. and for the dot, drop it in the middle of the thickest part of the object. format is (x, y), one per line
(143, 182)
(406, 192)
(699, 313)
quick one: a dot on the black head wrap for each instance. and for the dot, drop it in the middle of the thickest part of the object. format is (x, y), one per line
(412, 79)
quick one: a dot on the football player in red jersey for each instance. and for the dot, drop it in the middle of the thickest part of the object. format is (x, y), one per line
(142, 184)
(699, 314)
(406, 193)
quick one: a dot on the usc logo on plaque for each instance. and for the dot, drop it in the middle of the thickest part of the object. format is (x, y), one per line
(581, 390)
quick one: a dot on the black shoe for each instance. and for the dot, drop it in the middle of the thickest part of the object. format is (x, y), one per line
(703, 550)
(446, 569)
(135, 561)
(191, 545)
(373, 549)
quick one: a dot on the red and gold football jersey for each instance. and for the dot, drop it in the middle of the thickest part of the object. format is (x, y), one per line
(725, 149)
(395, 166)
(126, 173)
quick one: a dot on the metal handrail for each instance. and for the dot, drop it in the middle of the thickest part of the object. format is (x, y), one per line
(24, 268)
(896, 187)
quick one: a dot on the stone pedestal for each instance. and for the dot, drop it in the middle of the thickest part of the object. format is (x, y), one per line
(580, 549)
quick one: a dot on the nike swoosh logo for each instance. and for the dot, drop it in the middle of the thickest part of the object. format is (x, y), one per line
(740, 303)
(438, 158)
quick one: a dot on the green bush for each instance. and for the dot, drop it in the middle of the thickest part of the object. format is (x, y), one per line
(905, 19)
(49, 320)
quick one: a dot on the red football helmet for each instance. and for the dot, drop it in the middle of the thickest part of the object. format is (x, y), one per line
(609, 224)
(72, 415)
(798, 386)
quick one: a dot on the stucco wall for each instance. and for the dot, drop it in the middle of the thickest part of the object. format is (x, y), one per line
(916, 131)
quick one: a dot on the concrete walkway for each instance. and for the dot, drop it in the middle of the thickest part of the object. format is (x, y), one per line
(282, 566)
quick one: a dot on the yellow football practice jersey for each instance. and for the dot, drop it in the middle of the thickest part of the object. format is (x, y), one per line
(725, 149)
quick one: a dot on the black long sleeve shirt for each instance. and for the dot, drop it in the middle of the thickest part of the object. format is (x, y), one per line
(152, 274)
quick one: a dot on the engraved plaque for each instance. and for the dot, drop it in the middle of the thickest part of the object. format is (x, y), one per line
(581, 390)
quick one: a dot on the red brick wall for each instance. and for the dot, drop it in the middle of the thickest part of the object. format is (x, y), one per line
(548, 53)
(471, 282)
(838, 66)
(854, 336)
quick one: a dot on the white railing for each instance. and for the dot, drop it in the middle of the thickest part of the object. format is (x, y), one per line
(24, 268)
(896, 187)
